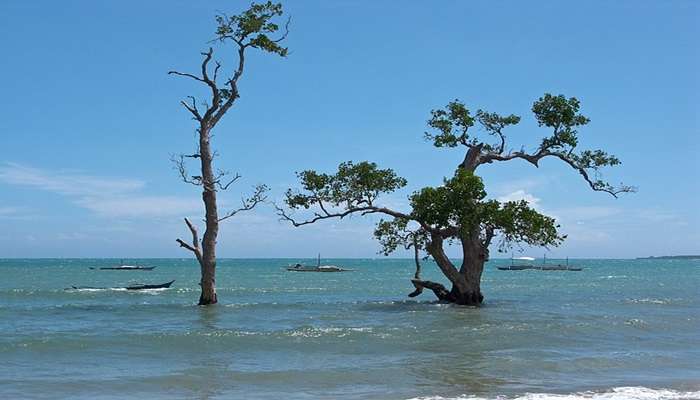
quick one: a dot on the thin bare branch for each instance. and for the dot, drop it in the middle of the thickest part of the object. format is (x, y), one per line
(227, 184)
(259, 195)
(192, 108)
(181, 167)
(196, 78)
(352, 209)
(286, 30)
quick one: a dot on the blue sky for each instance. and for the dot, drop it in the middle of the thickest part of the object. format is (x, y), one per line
(89, 118)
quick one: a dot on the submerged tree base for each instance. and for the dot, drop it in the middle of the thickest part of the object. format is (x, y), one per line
(474, 298)
(207, 301)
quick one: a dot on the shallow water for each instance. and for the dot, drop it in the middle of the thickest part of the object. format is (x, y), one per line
(617, 329)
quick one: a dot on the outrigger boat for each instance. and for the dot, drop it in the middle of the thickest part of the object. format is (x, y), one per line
(130, 287)
(318, 268)
(543, 267)
(557, 267)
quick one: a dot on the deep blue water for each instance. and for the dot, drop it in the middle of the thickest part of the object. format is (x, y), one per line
(617, 329)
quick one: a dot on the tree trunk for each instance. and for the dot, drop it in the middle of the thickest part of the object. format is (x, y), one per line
(474, 255)
(208, 262)
(466, 283)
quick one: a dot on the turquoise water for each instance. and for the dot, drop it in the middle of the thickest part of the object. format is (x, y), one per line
(617, 329)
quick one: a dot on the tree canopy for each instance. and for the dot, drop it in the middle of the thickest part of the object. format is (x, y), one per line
(458, 210)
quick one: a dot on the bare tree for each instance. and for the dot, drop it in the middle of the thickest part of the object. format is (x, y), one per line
(250, 29)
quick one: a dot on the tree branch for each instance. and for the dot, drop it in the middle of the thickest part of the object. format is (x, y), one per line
(182, 169)
(247, 204)
(286, 30)
(195, 241)
(225, 186)
(439, 289)
(196, 78)
(233, 84)
(192, 108)
(568, 157)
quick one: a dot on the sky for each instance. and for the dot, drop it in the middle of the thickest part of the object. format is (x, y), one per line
(89, 118)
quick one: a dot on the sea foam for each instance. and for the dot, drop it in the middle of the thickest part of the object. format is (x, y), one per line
(620, 393)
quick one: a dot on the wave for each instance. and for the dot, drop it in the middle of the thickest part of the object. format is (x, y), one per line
(619, 393)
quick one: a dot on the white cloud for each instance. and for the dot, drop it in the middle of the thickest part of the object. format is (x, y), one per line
(526, 184)
(521, 194)
(105, 196)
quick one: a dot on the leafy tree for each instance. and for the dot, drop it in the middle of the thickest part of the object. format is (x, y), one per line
(457, 211)
(249, 30)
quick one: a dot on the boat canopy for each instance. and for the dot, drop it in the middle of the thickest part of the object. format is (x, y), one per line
(524, 258)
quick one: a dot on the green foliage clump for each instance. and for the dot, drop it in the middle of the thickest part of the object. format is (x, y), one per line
(253, 25)
(454, 204)
(453, 122)
(354, 185)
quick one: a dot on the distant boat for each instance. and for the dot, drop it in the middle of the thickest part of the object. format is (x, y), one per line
(126, 268)
(543, 267)
(318, 268)
(556, 267)
(518, 267)
(123, 267)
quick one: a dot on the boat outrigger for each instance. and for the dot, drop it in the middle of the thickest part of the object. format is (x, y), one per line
(318, 268)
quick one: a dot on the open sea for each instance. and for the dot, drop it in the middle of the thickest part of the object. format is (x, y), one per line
(619, 329)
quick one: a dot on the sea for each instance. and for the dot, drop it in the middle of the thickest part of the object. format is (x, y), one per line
(618, 329)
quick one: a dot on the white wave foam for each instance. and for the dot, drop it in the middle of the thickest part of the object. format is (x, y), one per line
(620, 393)
(648, 300)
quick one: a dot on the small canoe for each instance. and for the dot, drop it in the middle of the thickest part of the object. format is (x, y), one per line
(143, 287)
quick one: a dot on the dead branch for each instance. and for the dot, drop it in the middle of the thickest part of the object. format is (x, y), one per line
(181, 167)
(259, 195)
(227, 184)
(195, 241)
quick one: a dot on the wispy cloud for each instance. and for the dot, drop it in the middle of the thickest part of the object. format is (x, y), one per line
(8, 211)
(66, 183)
(105, 196)
(16, 213)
